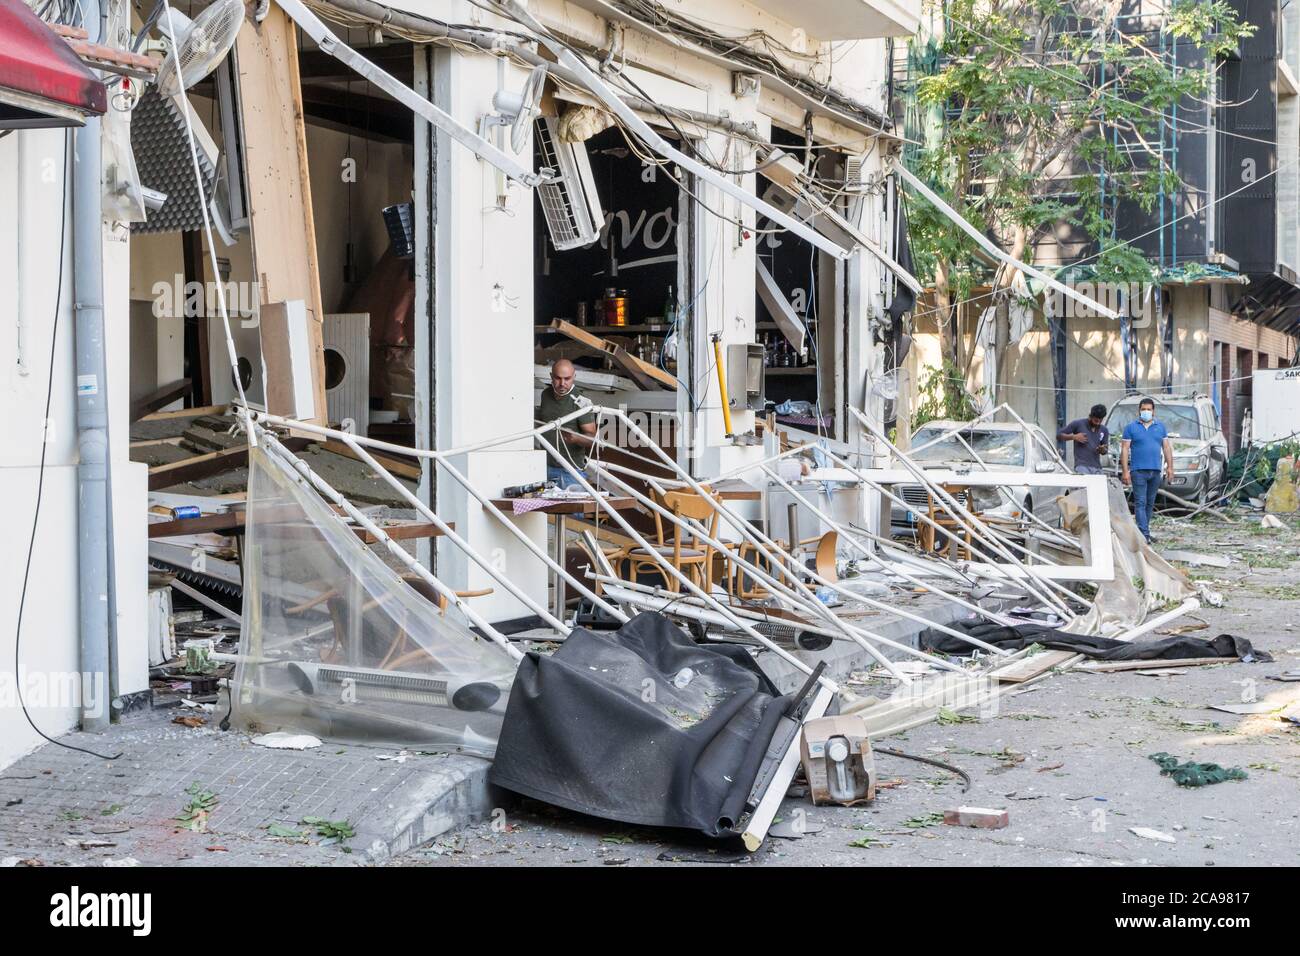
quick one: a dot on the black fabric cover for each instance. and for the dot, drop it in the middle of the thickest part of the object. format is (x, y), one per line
(600, 727)
(1181, 647)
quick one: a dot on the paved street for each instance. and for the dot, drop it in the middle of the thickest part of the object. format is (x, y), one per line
(1068, 759)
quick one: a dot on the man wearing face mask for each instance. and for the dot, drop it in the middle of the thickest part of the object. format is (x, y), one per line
(558, 399)
(1144, 444)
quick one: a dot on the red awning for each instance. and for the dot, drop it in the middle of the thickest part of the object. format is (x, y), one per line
(42, 81)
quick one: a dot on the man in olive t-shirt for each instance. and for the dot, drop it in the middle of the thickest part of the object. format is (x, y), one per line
(561, 398)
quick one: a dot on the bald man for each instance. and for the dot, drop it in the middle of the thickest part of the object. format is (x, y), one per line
(561, 398)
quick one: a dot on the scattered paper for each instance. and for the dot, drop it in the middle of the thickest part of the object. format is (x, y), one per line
(1147, 833)
(285, 741)
(1256, 707)
(1196, 559)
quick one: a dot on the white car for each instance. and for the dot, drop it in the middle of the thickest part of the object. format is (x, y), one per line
(984, 446)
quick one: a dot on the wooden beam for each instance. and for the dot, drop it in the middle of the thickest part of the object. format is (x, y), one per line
(279, 188)
(196, 468)
(196, 319)
(637, 368)
(157, 399)
(198, 412)
(148, 442)
(1110, 667)
(1026, 668)
(403, 469)
(204, 466)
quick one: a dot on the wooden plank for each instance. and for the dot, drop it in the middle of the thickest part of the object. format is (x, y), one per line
(157, 399)
(626, 359)
(234, 522)
(628, 363)
(196, 312)
(212, 463)
(1110, 667)
(196, 412)
(196, 468)
(403, 469)
(279, 188)
(1030, 667)
(147, 442)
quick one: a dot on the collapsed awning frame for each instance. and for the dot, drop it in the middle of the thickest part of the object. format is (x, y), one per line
(619, 108)
(315, 28)
(988, 246)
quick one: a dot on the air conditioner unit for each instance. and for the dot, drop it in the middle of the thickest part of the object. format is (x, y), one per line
(346, 338)
(855, 180)
(569, 200)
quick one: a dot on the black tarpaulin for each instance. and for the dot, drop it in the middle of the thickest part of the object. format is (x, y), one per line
(1182, 647)
(639, 725)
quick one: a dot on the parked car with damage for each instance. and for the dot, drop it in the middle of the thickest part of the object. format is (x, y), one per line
(1200, 447)
(982, 446)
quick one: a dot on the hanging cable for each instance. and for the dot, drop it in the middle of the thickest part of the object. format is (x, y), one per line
(40, 472)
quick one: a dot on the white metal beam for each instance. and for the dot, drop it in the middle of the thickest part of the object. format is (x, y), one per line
(480, 147)
(615, 104)
(989, 247)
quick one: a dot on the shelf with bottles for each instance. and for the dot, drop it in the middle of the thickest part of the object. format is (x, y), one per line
(648, 328)
(780, 356)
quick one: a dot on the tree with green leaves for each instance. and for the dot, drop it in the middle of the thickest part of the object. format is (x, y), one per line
(1025, 92)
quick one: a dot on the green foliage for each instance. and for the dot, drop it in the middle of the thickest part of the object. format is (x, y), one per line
(334, 831)
(943, 395)
(1016, 95)
(194, 815)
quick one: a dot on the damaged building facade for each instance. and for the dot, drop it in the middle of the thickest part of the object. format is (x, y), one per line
(380, 274)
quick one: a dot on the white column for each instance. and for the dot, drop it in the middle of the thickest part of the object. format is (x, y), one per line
(483, 336)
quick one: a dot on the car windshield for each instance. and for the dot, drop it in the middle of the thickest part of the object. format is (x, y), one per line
(992, 447)
(1180, 419)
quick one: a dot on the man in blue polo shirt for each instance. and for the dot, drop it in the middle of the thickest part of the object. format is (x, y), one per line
(1144, 443)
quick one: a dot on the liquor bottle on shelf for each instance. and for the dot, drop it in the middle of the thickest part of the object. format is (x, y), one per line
(670, 308)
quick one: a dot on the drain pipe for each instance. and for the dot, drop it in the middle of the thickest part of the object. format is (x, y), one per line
(92, 418)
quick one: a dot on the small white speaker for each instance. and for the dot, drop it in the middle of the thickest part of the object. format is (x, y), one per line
(347, 369)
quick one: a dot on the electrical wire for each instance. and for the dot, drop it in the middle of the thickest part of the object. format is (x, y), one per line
(40, 473)
(966, 781)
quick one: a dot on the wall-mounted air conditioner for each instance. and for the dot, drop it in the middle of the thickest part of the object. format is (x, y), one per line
(572, 208)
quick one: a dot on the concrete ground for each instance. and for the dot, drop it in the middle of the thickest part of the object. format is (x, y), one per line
(1069, 760)
(246, 805)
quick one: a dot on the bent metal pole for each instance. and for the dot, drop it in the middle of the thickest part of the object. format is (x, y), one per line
(805, 599)
(966, 519)
(323, 487)
(668, 568)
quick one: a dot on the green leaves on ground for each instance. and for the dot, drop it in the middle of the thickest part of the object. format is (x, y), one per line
(194, 815)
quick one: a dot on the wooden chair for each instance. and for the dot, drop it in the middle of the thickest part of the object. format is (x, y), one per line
(741, 585)
(956, 536)
(682, 548)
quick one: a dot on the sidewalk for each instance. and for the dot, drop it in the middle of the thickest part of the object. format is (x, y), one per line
(60, 807)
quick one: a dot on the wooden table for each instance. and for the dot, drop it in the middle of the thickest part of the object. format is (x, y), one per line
(234, 523)
(561, 510)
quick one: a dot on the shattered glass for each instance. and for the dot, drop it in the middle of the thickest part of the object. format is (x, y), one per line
(337, 643)
(995, 447)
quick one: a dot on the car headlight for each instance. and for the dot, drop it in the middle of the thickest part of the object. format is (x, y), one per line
(984, 499)
(1193, 463)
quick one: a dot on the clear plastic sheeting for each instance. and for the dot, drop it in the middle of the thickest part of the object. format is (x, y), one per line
(338, 644)
(1143, 581)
